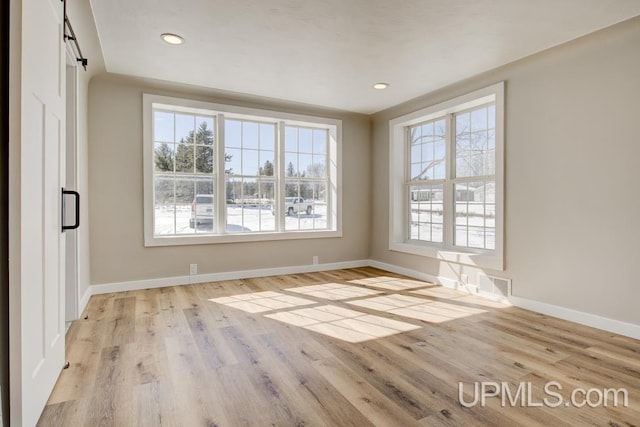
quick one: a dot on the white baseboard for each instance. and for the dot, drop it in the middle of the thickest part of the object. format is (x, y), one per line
(587, 319)
(106, 288)
(135, 285)
(439, 280)
(611, 325)
(82, 304)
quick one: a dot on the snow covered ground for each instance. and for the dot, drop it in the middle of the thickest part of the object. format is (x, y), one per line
(475, 224)
(239, 219)
(475, 230)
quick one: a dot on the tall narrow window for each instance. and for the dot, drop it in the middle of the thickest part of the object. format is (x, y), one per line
(427, 173)
(306, 177)
(446, 169)
(249, 175)
(183, 168)
(474, 182)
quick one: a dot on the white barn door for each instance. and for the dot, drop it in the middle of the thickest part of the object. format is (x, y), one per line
(37, 333)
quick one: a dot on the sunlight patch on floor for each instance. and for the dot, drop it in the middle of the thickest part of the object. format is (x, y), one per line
(417, 308)
(484, 302)
(356, 326)
(440, 292)
(259, 302)
(390, 283)
(455, 295)
(334, 291)
(347, 325)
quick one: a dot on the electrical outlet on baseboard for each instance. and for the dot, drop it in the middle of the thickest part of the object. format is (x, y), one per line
(193, 269)
(315, 260)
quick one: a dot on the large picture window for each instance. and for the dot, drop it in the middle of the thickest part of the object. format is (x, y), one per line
(217, 173)
(446, 169)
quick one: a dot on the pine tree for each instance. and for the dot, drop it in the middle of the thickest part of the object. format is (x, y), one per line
(291, 171)
(164, 158)
(267, 169)
(184, 157)
(194, 153)
(204, 135)
(203, 155)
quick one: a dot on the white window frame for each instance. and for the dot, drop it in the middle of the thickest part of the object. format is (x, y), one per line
(334, 202)
(399, 198)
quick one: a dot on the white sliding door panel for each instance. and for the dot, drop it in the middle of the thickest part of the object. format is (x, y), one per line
(39, 295)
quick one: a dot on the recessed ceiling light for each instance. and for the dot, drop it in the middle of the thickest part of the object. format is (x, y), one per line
(381, 86)
(172, 38)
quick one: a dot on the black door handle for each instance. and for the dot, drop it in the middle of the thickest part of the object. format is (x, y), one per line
(76, 197)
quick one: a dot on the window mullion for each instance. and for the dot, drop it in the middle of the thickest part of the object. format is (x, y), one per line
(220, 177)
(449, 199)
(426, 182)
(466, 179)
(173, 181)
(326, 182)
(406, 200)
(280, 176)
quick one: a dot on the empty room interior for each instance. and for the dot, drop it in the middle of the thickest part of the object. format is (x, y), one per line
(320, 213)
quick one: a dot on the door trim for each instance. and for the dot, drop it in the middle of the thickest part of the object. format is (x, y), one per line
(72, 294)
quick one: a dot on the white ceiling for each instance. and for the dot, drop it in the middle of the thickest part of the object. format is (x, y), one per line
(331, 52)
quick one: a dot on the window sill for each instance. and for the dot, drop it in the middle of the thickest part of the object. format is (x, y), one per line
(209, 239)
(493, 261)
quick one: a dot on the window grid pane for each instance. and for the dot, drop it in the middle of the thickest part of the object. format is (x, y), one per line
(426, 212)
(475, 142)
(249, 205)
(428, 151)
(475, 215)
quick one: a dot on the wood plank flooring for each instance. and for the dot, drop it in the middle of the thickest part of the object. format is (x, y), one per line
(358, 347)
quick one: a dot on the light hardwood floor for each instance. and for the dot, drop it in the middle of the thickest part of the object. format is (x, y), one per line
(354, 347)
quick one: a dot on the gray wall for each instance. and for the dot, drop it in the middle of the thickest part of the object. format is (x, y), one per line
(116, 191)
(572, 171)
